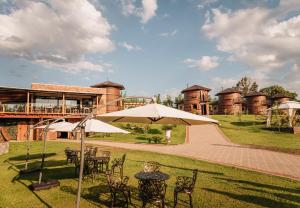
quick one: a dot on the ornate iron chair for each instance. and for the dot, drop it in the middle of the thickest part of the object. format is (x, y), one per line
(151, 166)
(105, 161)
(71, 155)
(152, 191)
(186, 185)
(89, 169)
(118, 185)
(118, 163)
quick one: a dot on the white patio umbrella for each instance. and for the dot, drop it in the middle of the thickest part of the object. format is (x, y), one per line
(156, 113)
(92, 125)
(55, 125)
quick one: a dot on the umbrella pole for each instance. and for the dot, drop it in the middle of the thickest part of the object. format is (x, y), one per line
(82, 131)
(43, 155)
(27, 147)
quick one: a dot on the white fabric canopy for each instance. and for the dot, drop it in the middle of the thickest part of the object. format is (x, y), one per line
(93, 125)
(289, 105)
(55, 125)
(156, 113)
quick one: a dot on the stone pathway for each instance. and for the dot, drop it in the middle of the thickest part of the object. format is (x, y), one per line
(207, 142)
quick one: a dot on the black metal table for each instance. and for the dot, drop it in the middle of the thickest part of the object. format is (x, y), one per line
(100, 161)
(152, 186)
(152, 176)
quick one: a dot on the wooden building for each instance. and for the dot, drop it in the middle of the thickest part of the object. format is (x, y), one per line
(196, 100)
(230, 101)
(21, 108)
(256, 103)
(280, 98)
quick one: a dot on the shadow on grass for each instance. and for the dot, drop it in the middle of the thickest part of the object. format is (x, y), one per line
(255, 184)
(100, 195)
(31, 157)
(257, 200)
(35, 194)
(180, 168)
(246, 123)
(289, 197)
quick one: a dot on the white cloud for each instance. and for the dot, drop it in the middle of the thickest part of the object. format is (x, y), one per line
(146, 12)
(56, 34)
(168, 34)
(130, 47)
(265, 39)
(292, 79)
(205, 3)
(204, 63)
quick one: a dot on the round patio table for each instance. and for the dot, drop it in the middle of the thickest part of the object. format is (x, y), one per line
(152, 186)
(151, 176)
(100, 161)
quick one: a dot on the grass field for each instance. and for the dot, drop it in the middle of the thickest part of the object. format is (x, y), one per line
(178, 134)
(217, 186)
(250, 131)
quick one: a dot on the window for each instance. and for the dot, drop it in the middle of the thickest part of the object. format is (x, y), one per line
(195, 106)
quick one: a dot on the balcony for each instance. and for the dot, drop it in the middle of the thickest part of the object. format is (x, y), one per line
(42, 109)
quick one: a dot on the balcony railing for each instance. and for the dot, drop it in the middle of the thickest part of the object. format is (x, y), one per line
(37, 108)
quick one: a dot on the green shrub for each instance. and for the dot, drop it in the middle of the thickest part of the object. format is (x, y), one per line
(154, 131)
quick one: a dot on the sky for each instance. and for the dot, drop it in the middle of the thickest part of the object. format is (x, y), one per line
(150, 46)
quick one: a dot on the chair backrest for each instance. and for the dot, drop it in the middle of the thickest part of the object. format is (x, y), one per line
(195, 173)
(151, 166)
(105, 153)
(123, 158)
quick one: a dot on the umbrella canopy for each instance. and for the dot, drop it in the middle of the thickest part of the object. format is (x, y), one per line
(289, 105)
(55, 125)
(156, 113)
(92, 125)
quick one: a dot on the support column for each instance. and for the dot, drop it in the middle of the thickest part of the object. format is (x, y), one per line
(97, 104)
(63, 103)
(28, 104)
(31, 106)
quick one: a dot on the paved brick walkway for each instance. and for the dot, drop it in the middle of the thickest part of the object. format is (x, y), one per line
(206, 142)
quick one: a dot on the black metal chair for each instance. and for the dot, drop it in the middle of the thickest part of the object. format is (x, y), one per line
(185, 185)
(105, 160)
(151, 166)
(118, 185)
(118, 163)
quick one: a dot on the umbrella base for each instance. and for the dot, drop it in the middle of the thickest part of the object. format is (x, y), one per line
(44, 185)
(29, 170)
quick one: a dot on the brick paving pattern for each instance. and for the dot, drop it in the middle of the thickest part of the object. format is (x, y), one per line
(206, 142)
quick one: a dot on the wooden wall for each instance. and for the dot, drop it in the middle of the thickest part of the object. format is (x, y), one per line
(196, 97)
(257, 104)
(229, 103)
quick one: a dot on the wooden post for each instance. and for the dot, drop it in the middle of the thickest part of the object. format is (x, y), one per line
(63, 103)
(27, 104)
(97, 104)
(31, 107)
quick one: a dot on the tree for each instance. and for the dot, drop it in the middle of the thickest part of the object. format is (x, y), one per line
(179, 99)
(276, 89)
(254, 87)
(246, 85)
(168, 101)
(158, 99)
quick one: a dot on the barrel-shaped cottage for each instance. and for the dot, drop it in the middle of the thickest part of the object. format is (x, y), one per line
(230, 101)
(196, 99)
(280, 98)
(256, 103)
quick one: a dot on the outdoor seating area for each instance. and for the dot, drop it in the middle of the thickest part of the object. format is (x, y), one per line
(152, 183)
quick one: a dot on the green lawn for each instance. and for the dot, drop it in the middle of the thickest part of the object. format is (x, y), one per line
(217, 186)
(251, 131)
(178, 134)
